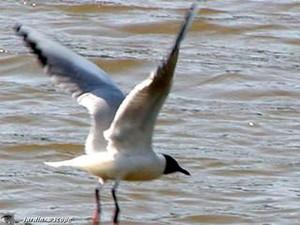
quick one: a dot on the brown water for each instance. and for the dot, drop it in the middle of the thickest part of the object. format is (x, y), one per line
(233, 116)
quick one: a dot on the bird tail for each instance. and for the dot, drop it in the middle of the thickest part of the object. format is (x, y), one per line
(60, 163)
(80, 162)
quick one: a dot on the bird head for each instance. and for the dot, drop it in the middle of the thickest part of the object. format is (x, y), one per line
(172, 166)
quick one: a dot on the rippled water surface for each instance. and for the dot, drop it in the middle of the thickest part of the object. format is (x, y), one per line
(232, 118)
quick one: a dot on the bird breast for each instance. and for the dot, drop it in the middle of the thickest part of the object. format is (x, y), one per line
(142, 168)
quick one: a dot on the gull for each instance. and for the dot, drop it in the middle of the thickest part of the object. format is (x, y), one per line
(124, 123)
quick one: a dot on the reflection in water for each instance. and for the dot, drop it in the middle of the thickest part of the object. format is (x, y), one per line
(232, 117)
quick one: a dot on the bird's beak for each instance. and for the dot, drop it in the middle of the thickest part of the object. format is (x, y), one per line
(184, 171)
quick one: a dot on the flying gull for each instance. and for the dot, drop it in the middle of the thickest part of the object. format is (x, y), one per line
(124, 123)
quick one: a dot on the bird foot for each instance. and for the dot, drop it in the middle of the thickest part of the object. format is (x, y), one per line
(96, 215)
(96, 218)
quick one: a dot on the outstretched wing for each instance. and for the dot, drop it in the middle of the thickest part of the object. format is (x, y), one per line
(86, 82)
(132, 127)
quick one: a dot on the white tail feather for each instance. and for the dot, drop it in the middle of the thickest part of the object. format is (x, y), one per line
(81, 162)
(59, 164)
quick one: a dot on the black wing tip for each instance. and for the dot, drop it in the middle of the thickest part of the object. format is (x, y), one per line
(17, 27)
(186, 24)
(30, 43)
(188, 19)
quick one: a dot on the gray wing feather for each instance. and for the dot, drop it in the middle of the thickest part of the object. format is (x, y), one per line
(132, 127)
(90, 85)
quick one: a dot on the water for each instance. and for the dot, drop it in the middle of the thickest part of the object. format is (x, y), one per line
(232, 117)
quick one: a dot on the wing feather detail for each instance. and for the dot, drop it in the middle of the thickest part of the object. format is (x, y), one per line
(86, 82)
(132, 127)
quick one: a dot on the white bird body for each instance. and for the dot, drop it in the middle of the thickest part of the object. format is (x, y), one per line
(118, 166)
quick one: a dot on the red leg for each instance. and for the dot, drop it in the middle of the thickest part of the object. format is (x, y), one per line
(96, 215)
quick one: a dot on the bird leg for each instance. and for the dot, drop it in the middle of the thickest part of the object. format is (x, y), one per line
(96, 215)
(117, 209)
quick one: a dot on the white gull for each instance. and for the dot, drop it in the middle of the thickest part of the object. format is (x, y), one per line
(125, 123)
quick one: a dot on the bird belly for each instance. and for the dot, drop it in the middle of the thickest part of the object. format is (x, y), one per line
(141, 175)
(106, 171)
(143, 168)
(130, 172)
